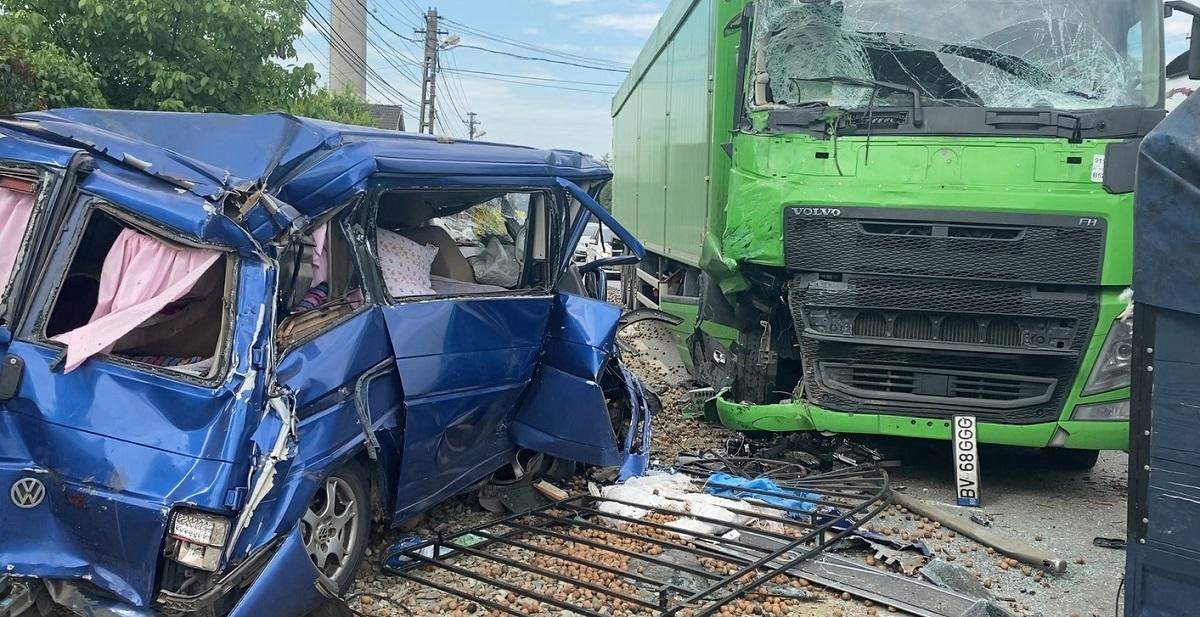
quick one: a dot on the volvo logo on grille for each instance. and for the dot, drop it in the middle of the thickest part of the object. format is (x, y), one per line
(816, 212)
(27, 493)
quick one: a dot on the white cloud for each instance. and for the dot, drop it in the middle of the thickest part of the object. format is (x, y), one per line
(531, 31)
(632, 23)
(567, 2)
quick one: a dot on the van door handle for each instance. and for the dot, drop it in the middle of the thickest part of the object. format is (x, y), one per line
(11, 374)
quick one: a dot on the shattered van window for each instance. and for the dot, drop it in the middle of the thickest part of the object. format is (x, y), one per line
(141, 298)
(16, 207)
(1063, 54)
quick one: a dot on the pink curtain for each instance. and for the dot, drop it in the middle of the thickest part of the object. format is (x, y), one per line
(140, 277)
(15, 210)
(320, 257)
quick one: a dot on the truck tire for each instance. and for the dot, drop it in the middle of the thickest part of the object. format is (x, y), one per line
(1070, 460)
(757, 369)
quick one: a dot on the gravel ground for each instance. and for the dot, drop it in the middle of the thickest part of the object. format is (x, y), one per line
(1058, 511)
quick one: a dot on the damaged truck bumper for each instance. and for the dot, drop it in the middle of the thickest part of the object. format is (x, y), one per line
(786, 417)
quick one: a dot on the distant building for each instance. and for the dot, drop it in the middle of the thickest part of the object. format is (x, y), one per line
(389, 117)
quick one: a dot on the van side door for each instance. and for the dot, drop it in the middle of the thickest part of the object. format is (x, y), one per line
(566, 412)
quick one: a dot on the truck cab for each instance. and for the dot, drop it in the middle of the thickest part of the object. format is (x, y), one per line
(913, 210)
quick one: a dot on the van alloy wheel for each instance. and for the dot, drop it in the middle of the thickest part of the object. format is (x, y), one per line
(330, 527)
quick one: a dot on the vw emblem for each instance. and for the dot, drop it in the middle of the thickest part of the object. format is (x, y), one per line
(27, 493)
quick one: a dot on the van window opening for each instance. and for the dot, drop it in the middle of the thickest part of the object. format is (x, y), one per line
(320, 282)
(117, 272)
(454, 243)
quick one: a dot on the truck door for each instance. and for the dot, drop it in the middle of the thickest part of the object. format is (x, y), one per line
(565, 412)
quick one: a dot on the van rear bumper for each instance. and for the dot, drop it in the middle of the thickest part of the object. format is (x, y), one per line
(102, 515)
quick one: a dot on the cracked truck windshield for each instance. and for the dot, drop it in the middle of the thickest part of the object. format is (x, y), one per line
(1060, 54)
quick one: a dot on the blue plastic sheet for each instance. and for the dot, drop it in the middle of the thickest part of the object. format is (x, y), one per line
(764, 490)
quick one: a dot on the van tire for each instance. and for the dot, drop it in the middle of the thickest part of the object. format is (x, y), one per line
(350, 485)
(1070, 460)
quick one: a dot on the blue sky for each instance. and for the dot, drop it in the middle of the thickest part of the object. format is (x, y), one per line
(542, 110)
(608, 33)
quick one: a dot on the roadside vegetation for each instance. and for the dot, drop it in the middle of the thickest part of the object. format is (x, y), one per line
(163, 55)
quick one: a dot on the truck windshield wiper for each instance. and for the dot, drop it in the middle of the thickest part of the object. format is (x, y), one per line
(918, 112)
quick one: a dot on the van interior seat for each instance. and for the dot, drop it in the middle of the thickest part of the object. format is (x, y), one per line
(450, 261)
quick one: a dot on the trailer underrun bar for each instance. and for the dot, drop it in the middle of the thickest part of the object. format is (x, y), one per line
(573, 556)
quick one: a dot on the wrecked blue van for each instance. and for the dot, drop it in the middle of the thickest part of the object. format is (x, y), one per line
(229, 343)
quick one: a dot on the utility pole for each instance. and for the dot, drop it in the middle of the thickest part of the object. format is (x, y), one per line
(429, 71)
(348, 53)
(472, 124)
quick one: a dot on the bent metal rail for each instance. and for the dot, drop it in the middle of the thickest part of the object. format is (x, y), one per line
(572, 556)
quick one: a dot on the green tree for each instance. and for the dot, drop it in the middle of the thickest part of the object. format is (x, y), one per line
(35, 73)
(344, 106)
(177, 55)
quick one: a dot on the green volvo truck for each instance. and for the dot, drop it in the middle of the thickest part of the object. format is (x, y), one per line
(873, 216)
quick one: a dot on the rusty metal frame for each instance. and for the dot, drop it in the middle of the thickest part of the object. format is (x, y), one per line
(849, 498)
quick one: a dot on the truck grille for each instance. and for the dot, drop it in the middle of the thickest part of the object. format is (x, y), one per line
(998, 388)
(918, 385)
(932, 348)
(983, 315)
(1032, 249)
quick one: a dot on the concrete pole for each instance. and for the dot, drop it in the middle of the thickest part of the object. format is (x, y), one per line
(472, 124)
(429, 72)
(348, 54)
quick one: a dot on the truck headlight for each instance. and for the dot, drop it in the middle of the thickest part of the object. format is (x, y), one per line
(1116, 410)
(1112, 368)
(197, 539)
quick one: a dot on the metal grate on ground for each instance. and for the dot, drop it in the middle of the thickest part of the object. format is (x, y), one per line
(572, 557)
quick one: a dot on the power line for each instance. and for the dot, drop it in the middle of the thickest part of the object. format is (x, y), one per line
(549, 79)
(456, 91)
(543, 50)
(382, 84)
(366, 34)
(393, 12)
(551, 86)
(325, 30)
(536, 59)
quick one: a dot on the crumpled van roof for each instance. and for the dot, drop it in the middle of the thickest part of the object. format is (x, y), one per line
(311, 165)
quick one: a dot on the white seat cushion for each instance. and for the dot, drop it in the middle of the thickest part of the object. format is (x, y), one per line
(405, 264)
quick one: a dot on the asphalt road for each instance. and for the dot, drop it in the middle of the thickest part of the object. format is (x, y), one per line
(1030, 500)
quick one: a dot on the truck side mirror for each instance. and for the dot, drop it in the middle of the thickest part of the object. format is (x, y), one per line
(1194, 53)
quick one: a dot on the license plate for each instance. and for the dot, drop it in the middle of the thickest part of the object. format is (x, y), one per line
(966, 461)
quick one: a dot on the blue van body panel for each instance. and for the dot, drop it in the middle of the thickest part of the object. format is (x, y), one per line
(432, 396)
